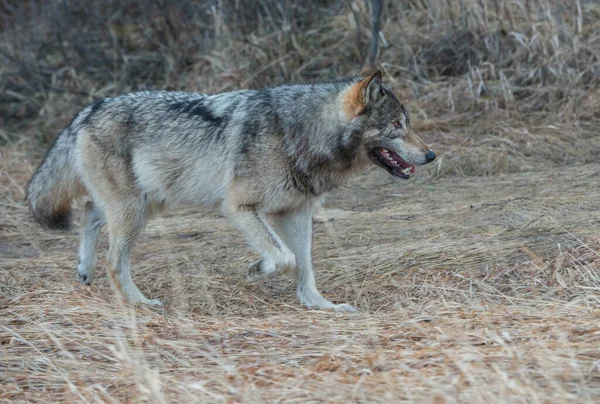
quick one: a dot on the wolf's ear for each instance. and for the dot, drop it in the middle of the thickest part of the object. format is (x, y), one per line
(368, 70)
(371, 87)
(361, 94)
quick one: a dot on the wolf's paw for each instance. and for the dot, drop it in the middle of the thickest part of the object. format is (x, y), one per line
(312, 299)
(149, 302)
(344, 307)
(134, 296)
(259, 270)
(84, 275)
(266, 268)
(335, 307)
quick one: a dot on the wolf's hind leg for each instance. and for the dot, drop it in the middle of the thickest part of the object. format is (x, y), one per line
(87, 258)
(276, 257)
(125, 219)
(297, 230)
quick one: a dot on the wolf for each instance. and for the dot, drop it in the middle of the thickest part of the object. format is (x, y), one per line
(264, 158)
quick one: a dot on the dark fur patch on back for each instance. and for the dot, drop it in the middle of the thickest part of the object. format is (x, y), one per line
(95, 108)
(250, 131)
(197, 108)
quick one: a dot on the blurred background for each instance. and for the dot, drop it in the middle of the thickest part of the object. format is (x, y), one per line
(483, 78)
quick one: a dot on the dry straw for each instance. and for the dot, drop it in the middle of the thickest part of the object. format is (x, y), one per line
(478, 281)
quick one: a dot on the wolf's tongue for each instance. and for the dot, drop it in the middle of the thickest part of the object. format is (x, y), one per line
(395, 158)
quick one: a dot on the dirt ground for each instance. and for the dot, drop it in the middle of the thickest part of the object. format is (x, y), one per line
(470, 289)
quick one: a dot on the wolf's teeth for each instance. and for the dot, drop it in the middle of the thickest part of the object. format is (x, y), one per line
(406, 170)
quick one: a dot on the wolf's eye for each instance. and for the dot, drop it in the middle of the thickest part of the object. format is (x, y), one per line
(397, 124)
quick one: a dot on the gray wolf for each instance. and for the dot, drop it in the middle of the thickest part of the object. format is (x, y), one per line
(265, 158)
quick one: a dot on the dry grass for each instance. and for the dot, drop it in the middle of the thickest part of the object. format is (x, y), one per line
(467, 293)
(478, 281)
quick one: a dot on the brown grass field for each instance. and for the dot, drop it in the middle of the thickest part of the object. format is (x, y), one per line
(478, 281)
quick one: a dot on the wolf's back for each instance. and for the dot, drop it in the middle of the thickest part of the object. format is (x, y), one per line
(55, 184)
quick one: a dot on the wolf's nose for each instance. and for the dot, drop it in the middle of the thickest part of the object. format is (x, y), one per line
(430, 156)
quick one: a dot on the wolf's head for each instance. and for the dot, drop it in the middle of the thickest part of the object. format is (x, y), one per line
(388, 139)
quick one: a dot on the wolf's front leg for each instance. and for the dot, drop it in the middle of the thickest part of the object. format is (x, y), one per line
(276, 257)
(296, 229)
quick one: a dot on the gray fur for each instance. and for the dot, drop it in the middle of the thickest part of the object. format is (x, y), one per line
(261, 156)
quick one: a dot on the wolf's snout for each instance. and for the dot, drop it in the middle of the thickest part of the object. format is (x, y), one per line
(430, 156)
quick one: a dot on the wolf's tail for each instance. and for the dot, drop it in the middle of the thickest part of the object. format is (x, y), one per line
(55, 184)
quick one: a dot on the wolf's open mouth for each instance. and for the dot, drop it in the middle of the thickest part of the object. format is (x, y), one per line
(394, 163)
